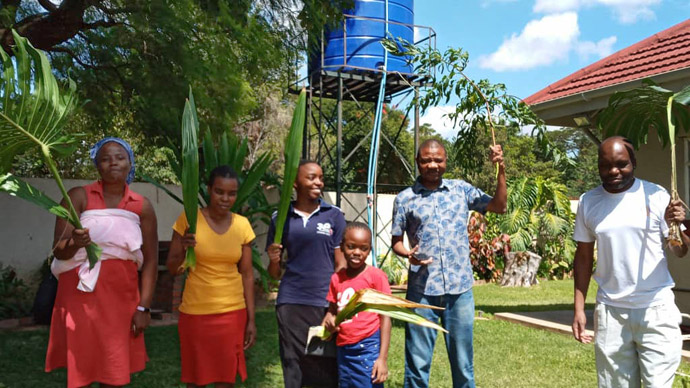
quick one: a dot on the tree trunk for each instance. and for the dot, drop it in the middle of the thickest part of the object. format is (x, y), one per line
(520, 269)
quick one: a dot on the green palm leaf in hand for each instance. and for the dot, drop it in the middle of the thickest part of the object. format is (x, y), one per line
(33, 111)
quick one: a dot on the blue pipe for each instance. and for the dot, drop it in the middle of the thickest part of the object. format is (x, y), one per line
(374, 152)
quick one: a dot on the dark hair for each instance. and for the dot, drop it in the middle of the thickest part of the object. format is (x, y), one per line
(356, 225)
(222, 171)
(302, 162)
(429, 143)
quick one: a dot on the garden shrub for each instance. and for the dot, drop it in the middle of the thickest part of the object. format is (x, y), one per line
(15, 295)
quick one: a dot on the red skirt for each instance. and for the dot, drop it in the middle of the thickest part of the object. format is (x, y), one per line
(91, 332)
(212, 347)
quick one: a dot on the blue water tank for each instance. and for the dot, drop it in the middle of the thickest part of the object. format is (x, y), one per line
(363, 48)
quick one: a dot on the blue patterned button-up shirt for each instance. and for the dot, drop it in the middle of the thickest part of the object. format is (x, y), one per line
(436, 220)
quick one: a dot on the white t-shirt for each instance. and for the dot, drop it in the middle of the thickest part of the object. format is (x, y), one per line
(630, 231)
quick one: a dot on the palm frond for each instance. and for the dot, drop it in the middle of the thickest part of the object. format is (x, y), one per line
(210, 154)
(515, 219)
(552, 225)
(377, 302)
(33, 111)
(190, 171)
(252, 180)
(16, 187)
(521, 240)
(632, 113)
(293, 150)
(34, 107)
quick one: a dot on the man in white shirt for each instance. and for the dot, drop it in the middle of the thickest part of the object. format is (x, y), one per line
(636, 322)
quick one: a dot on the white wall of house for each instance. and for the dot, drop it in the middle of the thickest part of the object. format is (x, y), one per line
(654, 165)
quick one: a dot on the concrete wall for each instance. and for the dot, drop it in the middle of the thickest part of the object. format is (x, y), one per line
(27, 230)
(354, 207)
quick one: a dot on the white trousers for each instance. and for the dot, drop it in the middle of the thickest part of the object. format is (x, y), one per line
(637, 346)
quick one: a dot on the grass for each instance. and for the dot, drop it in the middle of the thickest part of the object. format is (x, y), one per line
(506, 355)
(545, 296)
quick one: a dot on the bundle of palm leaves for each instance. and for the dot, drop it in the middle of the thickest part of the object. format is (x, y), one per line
(377, 302)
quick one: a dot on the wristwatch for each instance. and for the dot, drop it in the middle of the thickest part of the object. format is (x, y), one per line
(143, 309)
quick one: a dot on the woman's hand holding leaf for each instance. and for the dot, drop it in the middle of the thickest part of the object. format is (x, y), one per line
(274, 251)
(81, 238)
(188, 240)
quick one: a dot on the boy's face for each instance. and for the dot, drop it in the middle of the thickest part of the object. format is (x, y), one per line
(356, 247)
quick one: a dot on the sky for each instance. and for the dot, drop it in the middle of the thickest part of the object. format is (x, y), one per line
(530, 44)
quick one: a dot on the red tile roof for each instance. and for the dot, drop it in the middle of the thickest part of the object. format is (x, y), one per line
(665, 51)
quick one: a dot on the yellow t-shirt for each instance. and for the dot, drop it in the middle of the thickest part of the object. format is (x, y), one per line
(215, 285)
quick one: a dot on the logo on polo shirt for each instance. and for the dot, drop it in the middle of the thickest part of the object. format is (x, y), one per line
(324, 228)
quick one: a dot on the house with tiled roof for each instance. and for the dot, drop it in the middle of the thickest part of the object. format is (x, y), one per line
(663, 57)
(575, 101)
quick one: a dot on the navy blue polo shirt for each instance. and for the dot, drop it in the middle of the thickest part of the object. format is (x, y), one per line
(310, 244)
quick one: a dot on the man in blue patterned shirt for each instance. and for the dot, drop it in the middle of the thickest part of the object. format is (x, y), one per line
(433, 213)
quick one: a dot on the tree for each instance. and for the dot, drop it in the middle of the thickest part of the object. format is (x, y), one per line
(480, 103)
(522, 158)
(134, 60)
(539, 219)
(584, 175)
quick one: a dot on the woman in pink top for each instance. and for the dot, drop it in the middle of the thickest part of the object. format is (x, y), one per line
(100, 314)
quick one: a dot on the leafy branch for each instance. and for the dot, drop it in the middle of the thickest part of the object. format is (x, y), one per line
(481, 104)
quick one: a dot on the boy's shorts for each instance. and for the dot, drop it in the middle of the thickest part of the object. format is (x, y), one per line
(356, 361)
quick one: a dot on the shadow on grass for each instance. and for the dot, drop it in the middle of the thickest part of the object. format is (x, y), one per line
(493, 309)
(22, 358)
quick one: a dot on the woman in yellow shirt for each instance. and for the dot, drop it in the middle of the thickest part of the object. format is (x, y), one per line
(216, 322)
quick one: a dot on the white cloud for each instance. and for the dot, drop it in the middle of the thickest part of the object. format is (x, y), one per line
(625, 11)
(556, 6)
(487, 3)
(441, 123)
(543, 42)
(600, 49)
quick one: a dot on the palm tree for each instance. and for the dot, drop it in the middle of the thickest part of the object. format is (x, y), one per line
(33, 111)
(538, 213)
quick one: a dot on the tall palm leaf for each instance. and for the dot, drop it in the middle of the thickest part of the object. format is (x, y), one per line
(635, 112)
(190, 171)
(293, 150)
(33, 111)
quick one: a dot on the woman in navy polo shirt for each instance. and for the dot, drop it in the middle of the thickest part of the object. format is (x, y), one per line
(311, 238)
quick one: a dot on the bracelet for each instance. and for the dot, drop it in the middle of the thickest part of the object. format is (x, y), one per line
(143, 309)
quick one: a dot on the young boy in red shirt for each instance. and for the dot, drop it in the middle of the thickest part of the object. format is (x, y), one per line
(363, 340)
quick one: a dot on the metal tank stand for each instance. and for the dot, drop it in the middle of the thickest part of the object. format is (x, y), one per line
(324, 134)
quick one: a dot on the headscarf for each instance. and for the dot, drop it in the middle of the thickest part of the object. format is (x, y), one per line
(94, 151)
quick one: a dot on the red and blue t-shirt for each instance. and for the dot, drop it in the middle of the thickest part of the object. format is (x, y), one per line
(342, 287)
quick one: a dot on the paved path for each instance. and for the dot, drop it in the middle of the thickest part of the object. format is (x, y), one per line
(560, 321)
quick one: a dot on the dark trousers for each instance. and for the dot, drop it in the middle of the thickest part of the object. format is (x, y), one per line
(300, 370)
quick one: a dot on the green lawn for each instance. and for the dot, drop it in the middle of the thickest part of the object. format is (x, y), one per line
(506, 355)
